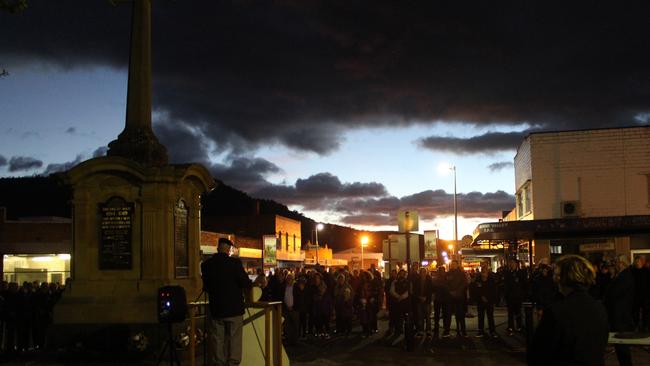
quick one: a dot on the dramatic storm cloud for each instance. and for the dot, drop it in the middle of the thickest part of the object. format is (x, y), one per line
(245, 173)
(3, 161)
(487, 143)
(22, 163)
(321, 191)
(498, 166)
(300, 73)
(378, 211)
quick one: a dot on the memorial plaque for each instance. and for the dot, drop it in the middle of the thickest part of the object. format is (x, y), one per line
(181, 249)
(115, 234)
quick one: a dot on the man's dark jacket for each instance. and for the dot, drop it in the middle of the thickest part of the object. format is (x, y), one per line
(224, 279)
(573, 331)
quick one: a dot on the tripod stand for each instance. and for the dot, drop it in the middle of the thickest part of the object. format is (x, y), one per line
(173, 356)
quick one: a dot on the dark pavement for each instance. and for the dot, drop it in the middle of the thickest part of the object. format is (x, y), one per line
(381, 350)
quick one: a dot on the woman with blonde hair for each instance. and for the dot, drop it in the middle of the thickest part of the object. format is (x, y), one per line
(573, 330)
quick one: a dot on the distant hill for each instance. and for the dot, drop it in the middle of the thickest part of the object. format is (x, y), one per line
(48, 196)
(35, 196)
(228, 201)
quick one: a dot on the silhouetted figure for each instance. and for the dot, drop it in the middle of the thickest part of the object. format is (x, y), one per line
(573, 330)
(619, 301)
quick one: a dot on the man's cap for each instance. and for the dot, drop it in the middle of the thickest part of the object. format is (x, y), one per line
(225, 241)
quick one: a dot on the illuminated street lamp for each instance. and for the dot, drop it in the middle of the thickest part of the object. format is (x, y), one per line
(319, 227)
(364, 242)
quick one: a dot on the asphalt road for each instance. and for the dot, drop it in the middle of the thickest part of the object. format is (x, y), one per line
(381, 350)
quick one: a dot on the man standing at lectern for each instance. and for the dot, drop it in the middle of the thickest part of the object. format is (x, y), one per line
(224, 279)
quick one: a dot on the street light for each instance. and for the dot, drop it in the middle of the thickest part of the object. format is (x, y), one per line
(364, 242)
(319, 227)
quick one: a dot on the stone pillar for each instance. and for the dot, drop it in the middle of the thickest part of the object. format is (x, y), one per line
(137, 141)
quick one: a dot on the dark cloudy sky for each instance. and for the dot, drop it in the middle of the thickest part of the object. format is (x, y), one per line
(339, 108)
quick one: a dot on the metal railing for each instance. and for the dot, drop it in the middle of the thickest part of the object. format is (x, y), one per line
(272, 312)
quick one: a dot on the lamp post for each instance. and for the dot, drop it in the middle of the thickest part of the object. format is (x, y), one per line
(319, 226)
(453, 168)
(444, 168)
(364, 242)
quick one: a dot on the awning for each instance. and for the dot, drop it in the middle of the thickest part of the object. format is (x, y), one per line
(562, 228)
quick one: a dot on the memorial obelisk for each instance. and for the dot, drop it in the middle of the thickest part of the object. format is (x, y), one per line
(136, 217)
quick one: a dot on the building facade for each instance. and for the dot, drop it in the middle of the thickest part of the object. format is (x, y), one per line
(288, 241)
(35, 248)
(585, 174)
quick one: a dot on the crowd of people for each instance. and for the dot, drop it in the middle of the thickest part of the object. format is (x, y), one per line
(25, 314)
(322, 303)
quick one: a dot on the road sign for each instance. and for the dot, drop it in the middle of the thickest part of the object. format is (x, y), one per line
(408, 221)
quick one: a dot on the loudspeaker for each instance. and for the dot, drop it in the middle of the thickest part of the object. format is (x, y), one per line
(172, 304)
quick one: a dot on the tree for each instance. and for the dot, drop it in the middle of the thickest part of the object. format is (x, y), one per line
(13, 6)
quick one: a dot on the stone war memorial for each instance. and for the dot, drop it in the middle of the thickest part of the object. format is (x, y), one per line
(136, 221)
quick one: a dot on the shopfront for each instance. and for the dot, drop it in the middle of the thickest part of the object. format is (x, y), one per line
(596, 238)
(35, 249)
(21, 268)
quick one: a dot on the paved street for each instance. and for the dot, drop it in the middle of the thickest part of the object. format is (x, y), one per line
(379, 350)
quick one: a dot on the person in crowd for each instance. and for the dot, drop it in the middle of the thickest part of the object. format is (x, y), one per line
(457, 284)
(390, 302)
(641, 293)
(276, 284)
(645, 307)
(440, 301)
(515, 280)
(12, 304)
(25, 314)
(422, 294)
(573, 330)
(43, 308)
(377, 288)
(224, 279)
(323, 307)
(603, 279)
(401, 290)
(314, 283)
(363, 303)
(484, 293)
(543, 288)
(290, 313)
(301, 304)
(619, 301)
(368, 300)
(343, 305)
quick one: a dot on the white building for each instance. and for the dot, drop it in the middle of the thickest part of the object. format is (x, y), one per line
(587, 191)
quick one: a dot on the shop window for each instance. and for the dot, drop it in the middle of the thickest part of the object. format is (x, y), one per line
(556, 249)
(21, 268)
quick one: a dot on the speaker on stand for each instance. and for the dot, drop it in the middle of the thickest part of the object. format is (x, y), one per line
(172, 308)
